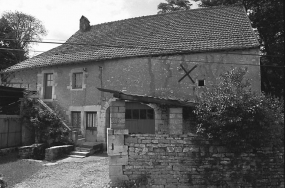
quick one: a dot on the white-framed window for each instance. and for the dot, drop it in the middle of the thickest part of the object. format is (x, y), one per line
(91, 120)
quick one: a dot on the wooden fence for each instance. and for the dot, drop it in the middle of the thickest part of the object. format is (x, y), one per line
(10, 131)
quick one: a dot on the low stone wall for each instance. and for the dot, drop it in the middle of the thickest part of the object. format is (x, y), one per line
(6, 151)
(57, 152)
(31, 152)
(172, 161)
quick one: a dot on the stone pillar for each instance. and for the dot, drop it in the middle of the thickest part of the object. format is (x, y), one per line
(117, 150)
(175, 121)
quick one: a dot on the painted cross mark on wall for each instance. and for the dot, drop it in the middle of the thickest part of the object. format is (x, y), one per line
(187, 73)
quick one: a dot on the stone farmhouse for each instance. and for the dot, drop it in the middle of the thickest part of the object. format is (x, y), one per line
(153, 63)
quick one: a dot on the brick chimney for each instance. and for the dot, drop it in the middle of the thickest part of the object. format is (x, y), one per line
(84, 24)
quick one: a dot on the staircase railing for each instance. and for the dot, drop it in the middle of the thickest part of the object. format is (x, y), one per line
(51, 111)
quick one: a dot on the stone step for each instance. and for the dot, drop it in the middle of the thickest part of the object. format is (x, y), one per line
(80, 136)
(76, 156)
(81, 153)
(83, 149)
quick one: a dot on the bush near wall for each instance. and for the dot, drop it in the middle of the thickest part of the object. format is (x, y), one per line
(189, 161)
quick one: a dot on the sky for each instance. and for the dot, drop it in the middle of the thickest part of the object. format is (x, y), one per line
(61, 17)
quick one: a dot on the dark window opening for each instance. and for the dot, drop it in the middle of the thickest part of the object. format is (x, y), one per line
(77, 80)
(201, 82)
(139, 114)
(128, 114)
(135, 114)
(91, 120)
(150, 114)
(142, 113)
(76, 119)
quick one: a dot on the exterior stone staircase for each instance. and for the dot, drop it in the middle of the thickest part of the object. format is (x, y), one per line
(83, 148)
(86, 149)
(79, 139)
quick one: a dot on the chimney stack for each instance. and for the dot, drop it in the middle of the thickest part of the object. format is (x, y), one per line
(84, 24)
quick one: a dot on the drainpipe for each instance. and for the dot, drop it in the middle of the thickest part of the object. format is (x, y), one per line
(101, 80)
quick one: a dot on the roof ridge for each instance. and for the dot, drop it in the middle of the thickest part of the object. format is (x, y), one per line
(174, 12)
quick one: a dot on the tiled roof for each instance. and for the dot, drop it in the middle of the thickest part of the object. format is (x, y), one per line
(196, 30)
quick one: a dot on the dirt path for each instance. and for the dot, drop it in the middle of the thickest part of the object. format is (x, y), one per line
(88, 172)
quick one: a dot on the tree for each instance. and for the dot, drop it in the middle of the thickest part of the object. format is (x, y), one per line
(238, 118)
(17, 30)
(173, 5)
(267, 17)
(8, 57)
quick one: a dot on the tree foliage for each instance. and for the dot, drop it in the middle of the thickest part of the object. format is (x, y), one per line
(48, 126)
(17, 29)
(238, 118)
(8, 57)
(267, 17)
(173, 5)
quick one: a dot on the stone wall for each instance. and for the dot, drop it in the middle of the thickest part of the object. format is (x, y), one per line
(150, 76)
(57, 152)
(34, 151)
(185, 160)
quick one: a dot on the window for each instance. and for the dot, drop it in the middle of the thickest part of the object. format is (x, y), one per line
(48, 84)
(76, 119)
(77, 80)
(139, 114)
(201, 82)
(91, 120)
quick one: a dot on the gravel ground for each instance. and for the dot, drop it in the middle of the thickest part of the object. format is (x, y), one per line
(86, 172)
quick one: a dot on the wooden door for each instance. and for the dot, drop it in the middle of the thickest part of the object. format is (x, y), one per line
(48, 86)
(140, 118)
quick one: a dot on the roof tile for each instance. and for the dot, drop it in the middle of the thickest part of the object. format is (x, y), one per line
(197, 30)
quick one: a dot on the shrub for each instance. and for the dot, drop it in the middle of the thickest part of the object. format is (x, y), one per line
(3, 184)
(48, 126)
(239, 118)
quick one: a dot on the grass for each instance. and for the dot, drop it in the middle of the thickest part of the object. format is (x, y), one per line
(17, 170)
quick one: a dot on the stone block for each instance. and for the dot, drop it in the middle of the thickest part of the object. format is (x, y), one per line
(175, 110)
(117, 115)
(159, 181)
(131, 140)
(121, 131)
(115, 170)
(118, 150)
(110, 131)
(175, 121)
(117, 179)
(116, 139)
(114, 109)
(175, 129)
(118, 160)
(118, 125)
(122, 109)
(170, 149)
(118, 103)
(146, 141)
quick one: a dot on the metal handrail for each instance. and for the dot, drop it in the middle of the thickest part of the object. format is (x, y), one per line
(51, 111)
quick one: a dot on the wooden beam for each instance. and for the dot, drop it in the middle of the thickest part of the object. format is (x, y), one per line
(147, 99)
